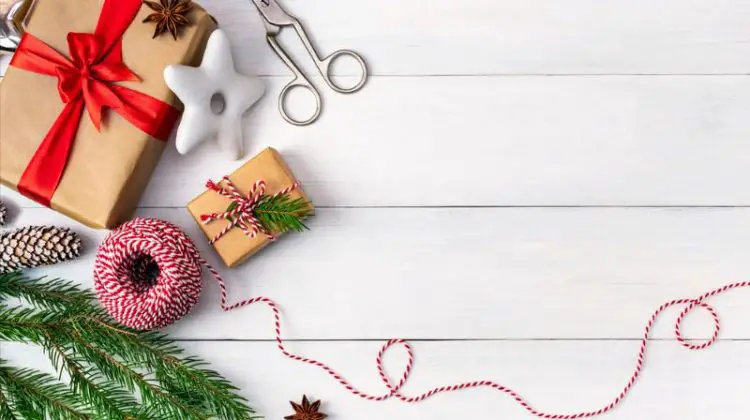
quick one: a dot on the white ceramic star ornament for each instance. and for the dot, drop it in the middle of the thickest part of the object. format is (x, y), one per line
(215, 97)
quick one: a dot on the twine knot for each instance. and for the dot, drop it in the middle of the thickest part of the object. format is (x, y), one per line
(241, 211)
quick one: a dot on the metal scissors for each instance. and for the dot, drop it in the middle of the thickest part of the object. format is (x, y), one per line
(275, 19)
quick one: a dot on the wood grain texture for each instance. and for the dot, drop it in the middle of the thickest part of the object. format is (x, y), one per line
(469, 273)
(470, 37)
(501, 141)
(476, 110)
(561, 376)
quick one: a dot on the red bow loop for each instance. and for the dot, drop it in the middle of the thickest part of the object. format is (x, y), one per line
(92, 75)
(85, 50)
(98, 95)
(69, 84)
(87, 80)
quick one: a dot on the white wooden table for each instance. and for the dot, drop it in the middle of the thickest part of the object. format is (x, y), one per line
(517, 188)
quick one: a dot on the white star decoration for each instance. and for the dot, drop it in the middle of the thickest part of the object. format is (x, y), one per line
(215, 80)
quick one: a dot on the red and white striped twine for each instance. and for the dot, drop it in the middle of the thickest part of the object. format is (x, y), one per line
(148, 275)
(242, 215)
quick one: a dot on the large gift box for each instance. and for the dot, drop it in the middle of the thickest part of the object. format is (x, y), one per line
(84, 109)
(239, 234)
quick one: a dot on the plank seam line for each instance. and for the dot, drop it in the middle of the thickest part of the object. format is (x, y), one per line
(593, 207)
(445, 340)
(514, 75)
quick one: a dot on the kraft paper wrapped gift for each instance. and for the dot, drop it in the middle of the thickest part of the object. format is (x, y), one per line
(107, 169)
(236, 246)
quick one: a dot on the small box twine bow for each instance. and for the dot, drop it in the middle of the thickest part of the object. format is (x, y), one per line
(242, 211)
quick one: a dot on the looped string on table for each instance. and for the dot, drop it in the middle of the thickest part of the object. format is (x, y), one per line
(242, 210)
(148, 275)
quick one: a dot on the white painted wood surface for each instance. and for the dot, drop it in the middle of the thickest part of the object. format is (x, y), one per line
(515, 189)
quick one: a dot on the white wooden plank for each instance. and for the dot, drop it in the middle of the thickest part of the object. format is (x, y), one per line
(507, 36)
(563, 376)
(470, 273)
(502, 141)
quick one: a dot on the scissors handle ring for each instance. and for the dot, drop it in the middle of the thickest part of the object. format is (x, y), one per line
(282, 103)
(326, 70)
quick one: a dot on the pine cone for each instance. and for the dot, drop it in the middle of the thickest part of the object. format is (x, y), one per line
(3, 213)
(34, 246)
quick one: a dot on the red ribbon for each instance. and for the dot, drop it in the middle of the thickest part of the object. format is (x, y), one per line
(86, 79)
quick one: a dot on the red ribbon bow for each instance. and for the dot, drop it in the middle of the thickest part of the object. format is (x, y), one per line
(87, 79)
(242, 212)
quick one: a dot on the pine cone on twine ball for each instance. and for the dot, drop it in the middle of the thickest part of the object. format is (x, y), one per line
(34, 246)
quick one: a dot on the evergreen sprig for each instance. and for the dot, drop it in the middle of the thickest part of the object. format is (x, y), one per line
(282, 213)
(114, 372)
(30, 394)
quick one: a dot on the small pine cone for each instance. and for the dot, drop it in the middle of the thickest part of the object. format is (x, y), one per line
(34, 246)
(3, 213)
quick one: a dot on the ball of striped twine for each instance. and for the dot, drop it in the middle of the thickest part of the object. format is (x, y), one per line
(147, 274)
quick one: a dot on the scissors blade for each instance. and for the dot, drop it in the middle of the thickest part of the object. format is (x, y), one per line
(274, 14)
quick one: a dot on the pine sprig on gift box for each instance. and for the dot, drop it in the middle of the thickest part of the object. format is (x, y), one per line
(106, 363)
(281, 214)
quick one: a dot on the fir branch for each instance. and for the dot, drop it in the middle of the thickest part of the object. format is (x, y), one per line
(25, 325)
(43, 293)
(36, 395)
(6, 411)
(214, 392)
(188, 375)
(108, 363)
(107, 400)
(124, 375)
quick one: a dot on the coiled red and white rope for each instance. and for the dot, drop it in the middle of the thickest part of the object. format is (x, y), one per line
(148, 275)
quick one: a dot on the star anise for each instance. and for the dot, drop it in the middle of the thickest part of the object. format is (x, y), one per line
(306, 410)
(169, 15)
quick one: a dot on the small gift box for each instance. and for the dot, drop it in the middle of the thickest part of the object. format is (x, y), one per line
(249, 208)
(84, 109)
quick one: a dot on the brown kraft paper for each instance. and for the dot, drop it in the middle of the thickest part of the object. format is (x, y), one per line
(107, 170)
(235, 247)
